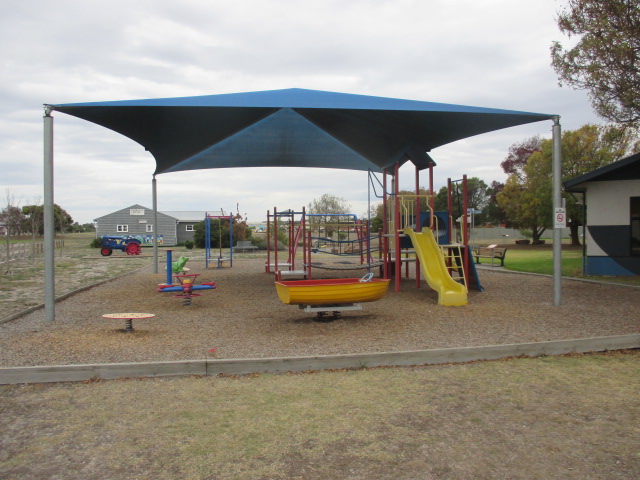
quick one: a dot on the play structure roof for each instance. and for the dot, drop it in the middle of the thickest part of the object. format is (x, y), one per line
(292, 128)
(626, 169)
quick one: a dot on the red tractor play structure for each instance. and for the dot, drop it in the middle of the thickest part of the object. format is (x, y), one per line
(114, 242)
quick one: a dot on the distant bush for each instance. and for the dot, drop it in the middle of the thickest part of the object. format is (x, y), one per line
(96, 243)
(261, 243)
(188, 244)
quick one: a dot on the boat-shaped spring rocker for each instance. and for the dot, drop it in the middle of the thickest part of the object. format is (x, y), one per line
(332, 295)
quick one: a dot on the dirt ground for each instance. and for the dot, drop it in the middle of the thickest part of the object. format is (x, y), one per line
(244, 318)
(567, 417)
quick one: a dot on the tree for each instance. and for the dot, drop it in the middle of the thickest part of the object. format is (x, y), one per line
(518, 156)
(376, 215)
(606, 59)
(241, 231)
(476, 197)
(11, 218)
(328, 203)
(523, 207)
(35, 218)
(75, 227)
(492, 212)
(441, 200)
(329, 206)
(220, 231)
(62, 218)
(526, 197)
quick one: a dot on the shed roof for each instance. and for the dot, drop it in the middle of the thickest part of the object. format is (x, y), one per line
(626, 169)
(191, 216)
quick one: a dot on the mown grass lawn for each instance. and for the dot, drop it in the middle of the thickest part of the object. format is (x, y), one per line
(540, 260)
(568, 417)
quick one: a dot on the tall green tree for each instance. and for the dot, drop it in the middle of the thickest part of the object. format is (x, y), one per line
(605, 60)
(34, 215)
(506, 211)
(526, 202)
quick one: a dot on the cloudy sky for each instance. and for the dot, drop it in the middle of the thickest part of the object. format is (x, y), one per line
(489, 53)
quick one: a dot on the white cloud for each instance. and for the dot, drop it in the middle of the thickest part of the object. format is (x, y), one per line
(493, 53)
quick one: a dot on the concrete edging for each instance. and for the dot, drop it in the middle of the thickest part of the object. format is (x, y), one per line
(109, 371)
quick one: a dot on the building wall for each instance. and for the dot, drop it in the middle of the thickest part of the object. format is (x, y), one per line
(183, 234)
(608, 206)
(608, 228)
(137, 218)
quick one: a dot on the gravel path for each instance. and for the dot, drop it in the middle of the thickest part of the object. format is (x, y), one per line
(244, 318)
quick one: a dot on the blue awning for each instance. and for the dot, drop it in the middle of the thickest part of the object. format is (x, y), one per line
(292, 127)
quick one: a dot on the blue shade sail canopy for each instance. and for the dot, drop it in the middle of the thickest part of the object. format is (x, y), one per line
(293, 128)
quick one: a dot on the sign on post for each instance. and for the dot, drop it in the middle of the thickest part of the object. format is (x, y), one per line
(560, 218)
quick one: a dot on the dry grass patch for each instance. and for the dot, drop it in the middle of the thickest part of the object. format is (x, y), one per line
(76, 265)
(556, 417)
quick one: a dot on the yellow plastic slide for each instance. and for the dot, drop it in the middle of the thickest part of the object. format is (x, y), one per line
(434, 269)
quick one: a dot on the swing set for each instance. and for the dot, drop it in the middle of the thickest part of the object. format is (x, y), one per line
(299, 231)
(207, 240)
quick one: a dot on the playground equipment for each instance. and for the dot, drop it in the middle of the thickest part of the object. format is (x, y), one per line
(299, 228)
(448, 265)
(207, 239)
(179, 265)
(332, 295)
(342, 225)
(128, 318)
(296, 231)
(399, 247)
(117, 242)
(435, 270)
(186, 286)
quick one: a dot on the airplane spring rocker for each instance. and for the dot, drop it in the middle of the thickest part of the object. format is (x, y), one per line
(186, 287)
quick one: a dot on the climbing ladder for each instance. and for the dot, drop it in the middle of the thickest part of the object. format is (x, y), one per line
(453, 259)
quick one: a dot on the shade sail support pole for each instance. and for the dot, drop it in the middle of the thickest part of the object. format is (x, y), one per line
(154, 194)
(49, 224)
(557, 203)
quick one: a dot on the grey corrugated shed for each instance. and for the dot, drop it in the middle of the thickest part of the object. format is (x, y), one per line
(136, 218)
